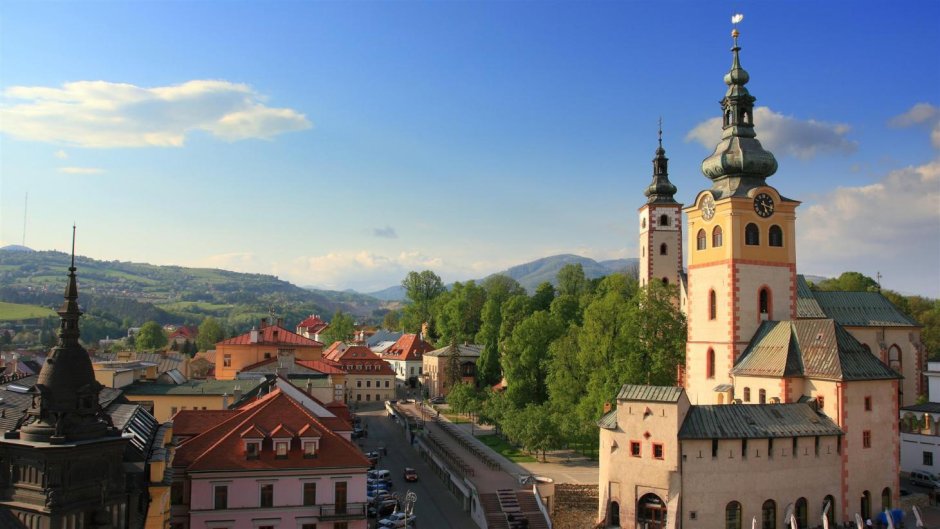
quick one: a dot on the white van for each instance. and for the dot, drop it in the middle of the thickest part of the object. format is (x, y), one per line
(925, 479)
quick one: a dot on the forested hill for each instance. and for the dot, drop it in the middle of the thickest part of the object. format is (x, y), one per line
(128, 294)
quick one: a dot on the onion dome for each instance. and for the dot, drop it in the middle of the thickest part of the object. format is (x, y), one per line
(661, 190)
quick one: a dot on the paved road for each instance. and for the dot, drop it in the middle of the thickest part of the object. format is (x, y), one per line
(436, 507)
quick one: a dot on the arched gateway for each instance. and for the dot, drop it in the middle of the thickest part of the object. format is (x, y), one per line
(651, 512)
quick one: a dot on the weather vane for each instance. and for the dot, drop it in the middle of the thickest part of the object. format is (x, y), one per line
(735, 20)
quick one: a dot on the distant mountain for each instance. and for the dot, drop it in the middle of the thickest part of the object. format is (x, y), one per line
(395, 293)
(17, 248)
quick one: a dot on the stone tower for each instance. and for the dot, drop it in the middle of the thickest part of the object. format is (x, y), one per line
(660, 226)
(742, 251)
(61, 465)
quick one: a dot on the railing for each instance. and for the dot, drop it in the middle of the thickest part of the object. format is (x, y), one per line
(351, 510)
(471, 445)
(448, 455)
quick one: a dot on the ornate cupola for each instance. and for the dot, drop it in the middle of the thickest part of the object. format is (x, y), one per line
(661, 190)
(739, 162)
(65, 404)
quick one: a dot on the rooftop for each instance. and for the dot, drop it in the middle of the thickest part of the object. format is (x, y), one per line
(850, 309)
(408, 347)
(192, 387)
(271, 335)
(634, 392)
(755, 421)
(465, 350)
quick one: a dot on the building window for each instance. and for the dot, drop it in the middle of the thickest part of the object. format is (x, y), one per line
(751, 235)
(310, 449)
(368, 383)
(886, 499)
(801, 513)
(894, 358)
(710, 364)
(712, 305)
(762, 396)
(768, 515)
(252, 449)
(866, 439)
(775, 237)
(339, 497)
(310, 526)
(867, 403)
(829, 510)
(764, 300)
(747, 394)
(866, 505)
(733, 515)
(377, 397)
(358, 383)
(700, 240)
(368, 397)
(280, 450)
(928, 459)
(221, 497)
(635, 448)
(663, 249)
(664, 220)
(657, 451)
(386, 383)
(267, 495)
(340, 525)
(227, 360)
(358, 396)
(310, 493)
(716, 237)
(714, 448)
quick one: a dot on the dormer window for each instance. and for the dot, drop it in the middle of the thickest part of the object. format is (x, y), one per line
(280, 449)
(310, 448)
(252, 449)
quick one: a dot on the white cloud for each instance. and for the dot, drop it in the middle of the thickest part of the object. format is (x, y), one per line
(921, 114)
(891, 225)
(81, 170)
(387, 232)
(62, 155)
(783, 135)
(105, 114)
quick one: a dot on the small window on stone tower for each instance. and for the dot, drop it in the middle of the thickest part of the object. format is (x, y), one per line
(751, 235)
(643, 223)
(710, 364)
(663, 249)
(776, 236)
(712, 305)
(716, 237)
(764, 302)
(762, 396)
(700, 240)
(664, 220)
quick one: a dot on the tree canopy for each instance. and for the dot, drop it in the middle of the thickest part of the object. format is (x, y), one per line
(210, 333)
(341, 328)
(150, 337)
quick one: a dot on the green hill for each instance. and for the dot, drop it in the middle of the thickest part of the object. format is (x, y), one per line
(17, 311)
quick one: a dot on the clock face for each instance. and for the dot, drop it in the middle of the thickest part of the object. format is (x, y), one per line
(764, 205)
(708, 207)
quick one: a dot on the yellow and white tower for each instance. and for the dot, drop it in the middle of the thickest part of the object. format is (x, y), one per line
(660, 226)
(742, 249)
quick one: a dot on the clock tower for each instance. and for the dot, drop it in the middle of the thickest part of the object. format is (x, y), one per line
(660, 226)
(742, 251)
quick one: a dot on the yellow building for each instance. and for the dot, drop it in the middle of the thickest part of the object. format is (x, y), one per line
(167, 399)
(368, 377)
(257, 345)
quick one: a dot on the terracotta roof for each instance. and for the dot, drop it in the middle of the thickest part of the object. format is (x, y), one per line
(222, 447)
(320, 366)
(313, 324)
(272, 334)
(197, 421)
(409, 347)
(184, 331)
(359, 355)
(334, 350)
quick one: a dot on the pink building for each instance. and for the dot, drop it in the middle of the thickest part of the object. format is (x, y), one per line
(282, 461)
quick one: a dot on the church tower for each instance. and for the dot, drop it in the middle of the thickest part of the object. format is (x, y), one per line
(61, 466)
(742, 248)
(660, 226)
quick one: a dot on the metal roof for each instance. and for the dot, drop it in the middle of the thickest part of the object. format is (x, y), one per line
(806, 304)
(13, 401)
(193, 387)
(755, 421)
(608, 421)
(649, 393)
(862, 309)
(811, 348)
(463, 350)
(927, 407)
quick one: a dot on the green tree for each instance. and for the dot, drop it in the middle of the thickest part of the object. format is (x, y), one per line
(567, 308)
(210, 333)
(150, 337)
(499, 287)
(459, 311)
(392, 320)
(849, 282)
(512, 311)
(488, 370)
(452, 377)
(542, 299)
(525, 358)
(571, 280)
(658, 334)
(421, 288)
(464, 398)
(342, 326)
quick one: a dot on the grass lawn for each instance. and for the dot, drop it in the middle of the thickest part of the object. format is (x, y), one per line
(16, 311)
(508, 451)
(455, 418)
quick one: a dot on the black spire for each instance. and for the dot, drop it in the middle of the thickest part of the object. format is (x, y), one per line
(661, 190)
(65, 398)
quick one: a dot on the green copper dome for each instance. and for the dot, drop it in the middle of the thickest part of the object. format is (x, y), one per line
(660, 190)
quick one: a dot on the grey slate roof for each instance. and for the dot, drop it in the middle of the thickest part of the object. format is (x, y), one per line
(806, 304)
(927, 407)
(755, 421)
(649, 393)
(463, 350)
(608, 421)
(15, 401)
(811, 348)
(862, 309)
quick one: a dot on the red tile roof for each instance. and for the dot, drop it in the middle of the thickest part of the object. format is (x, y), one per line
(272, 334)
(320, 366)
(408, 347)
(222, 447)
(335, 349)
(313, 324)
(184, 332)
(360, 355)
(194, 422)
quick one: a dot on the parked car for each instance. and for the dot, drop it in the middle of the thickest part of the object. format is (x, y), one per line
(381, 474)
(439, 400)
(925, 479)
(359, 432)
(383, 508)
(375, 497)
(398, 519)
(411, 474)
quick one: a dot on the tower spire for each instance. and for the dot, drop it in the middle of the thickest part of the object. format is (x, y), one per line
(739, 162)
(661, 190)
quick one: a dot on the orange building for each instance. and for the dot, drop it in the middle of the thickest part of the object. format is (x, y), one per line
(270, 341)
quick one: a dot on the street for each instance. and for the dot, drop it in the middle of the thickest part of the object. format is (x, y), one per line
(436, 507)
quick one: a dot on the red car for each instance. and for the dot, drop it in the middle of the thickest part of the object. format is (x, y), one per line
(411, 474)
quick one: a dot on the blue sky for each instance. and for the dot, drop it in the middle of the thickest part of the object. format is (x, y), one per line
(343, 144)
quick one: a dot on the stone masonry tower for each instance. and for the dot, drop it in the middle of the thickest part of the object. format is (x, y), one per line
(742, 248)
(660, 226)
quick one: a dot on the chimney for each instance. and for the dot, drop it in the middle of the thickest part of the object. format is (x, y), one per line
(253, 335)
(236, 394)
(608, 406)
(264, 322)
(225, 401)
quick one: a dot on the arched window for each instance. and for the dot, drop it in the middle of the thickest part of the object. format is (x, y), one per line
(712, 305)
(664, 220)
(751, 235)
(768, 515)
(643, 223)
(894, 358)
(733, 515)
(800, 511)
(663, 249)
(747, 394)
(710, 363)
(866, 505)
(762, 396)
(716, 237)
(700, 240)
(776, 236)
(829, 508)
(886, 499)
(764, 300)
